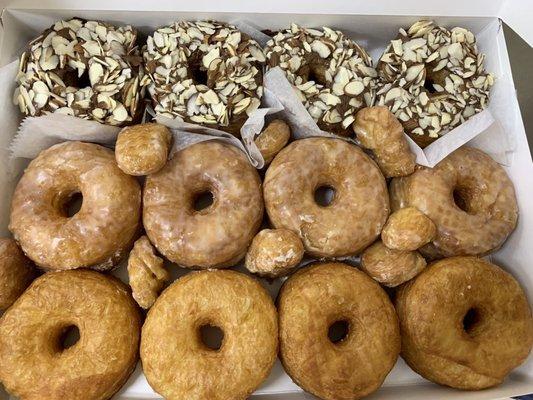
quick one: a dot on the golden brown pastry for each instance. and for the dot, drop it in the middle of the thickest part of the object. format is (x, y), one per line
(146, 273)
(194, 234)
(143, 149)
(273, 138)
(16, 272)
(104, 228)
(391, 267)
(38, 361)
(465, 323)
(468, 196)
(378, 130)
(408, 229)
(339, 334)
(274, 252)
(348, 223)
(178, 360)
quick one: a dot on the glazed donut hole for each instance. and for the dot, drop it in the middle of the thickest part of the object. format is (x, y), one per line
(211, 336)
(203, 199)
(324, 194)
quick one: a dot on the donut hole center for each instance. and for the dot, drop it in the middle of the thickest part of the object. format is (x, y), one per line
(338, 331)
(198, 73)
(313, 72)
(471, 321)
(462, 199)
(68, 337)
(211, 336)
(203, 200)
(72, 204)
(70, 77)
(428, 85)
(324, 195)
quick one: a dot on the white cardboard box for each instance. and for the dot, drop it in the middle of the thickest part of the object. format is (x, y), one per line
(372, 23)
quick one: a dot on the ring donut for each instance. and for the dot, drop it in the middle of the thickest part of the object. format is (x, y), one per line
(35, 360)
(104, 228)
(185, 365)
(465, 323)
(88, 69)
(360, 205)
(185, 231)
(344, 365)
(433, 79)
(468, 196)
(204, 72)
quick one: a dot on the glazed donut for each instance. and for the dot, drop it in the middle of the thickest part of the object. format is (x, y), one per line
(408, 229)
(218, 235)
(53, 72)
(433, 79)
(273, 138)
(468, 196)
(465, 323)
(146, 273)
(205, 72)
(331, 74)
(16, 272)
(185, 365)
(360, 205)
(379, 131)
(143, 149)
(36, 362)
(274, 253)
(347, 364)
(391, 267)
(102, 231)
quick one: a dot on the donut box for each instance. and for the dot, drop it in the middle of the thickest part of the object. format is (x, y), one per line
(372, 24)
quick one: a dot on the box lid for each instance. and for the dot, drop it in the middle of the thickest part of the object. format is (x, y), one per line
(518, 14)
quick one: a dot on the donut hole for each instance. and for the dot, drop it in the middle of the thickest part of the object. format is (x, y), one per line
(72, 204)
(203, 200)
(471, 321)
(211, 336)
(462, 199)
(70, 77)
(324, 195)
(338, 331)
(428, 85)
(68, 337)
(313, 72)
(198, 73)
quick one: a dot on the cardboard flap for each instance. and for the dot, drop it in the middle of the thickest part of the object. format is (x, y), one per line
(518, 14)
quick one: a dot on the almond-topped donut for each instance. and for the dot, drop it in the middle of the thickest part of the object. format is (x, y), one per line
(469, 198)
(337, 227)
(89, 69)
(433, 79)
(205, 72)
(204, 207)
(103, 229)
(331, 74)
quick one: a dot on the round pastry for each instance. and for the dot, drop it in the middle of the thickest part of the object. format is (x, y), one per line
(408, 229)
(191, 231)
(465, 323)
(38, 359)
(88, 69)
(16, 272)
(336, 227)
(379, 131)
(103, 229)
(331, 74)
(468, 196)
(187, 365)
(339, 334)
(274, 252)
(391, 267)
(146, 273)
(433, 79)
(143, 149)
(205, 72)
(273, 138)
